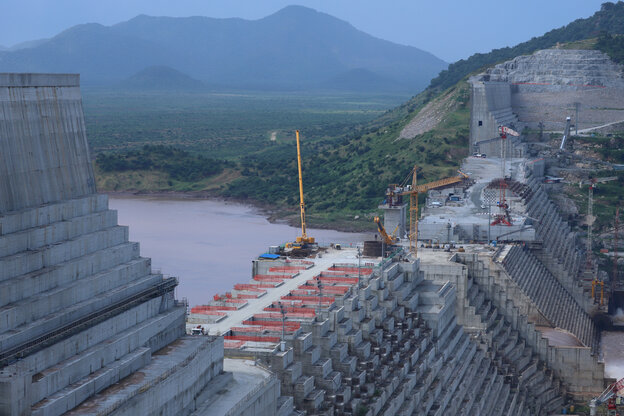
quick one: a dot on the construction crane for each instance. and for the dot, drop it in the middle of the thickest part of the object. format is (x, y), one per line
(304, 239)
(590, 211)
(607, 396)
(503, 217)
(303, 244)
(413, 190)
(389, 240)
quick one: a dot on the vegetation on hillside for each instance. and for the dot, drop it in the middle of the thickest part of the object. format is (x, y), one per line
(352, 173)
(347, 165)
(609, 19)
(612, 45)
(178, 164)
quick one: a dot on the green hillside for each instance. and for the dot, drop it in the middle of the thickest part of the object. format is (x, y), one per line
(348, 176)
(345, 176)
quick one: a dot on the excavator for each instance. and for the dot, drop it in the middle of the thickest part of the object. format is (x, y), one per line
(413, 190)
(608, 396)
(388, 239)
(303, 245)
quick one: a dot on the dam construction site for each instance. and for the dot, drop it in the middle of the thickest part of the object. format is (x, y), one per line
(487, 299)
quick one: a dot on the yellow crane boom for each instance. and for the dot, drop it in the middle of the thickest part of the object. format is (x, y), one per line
(387, 239)
(413, 193)
(304, 237)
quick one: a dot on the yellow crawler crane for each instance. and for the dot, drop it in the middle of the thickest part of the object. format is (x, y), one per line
(303, 242)
(413, 190)
(388, 239)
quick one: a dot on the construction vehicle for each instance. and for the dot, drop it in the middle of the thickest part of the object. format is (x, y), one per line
(388, 239)
(303, 245)
(395, 192)
(608, 396)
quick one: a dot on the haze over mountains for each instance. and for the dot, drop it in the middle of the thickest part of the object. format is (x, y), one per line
(295, 48)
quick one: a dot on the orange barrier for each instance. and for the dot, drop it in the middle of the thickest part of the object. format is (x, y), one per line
(251, 338)
(351, 269)
(308, 313)
(198, 309)
(234, 300)
(307, 298)
(335, 280)
(273, 324)
(233, 344)
(247, 295)
(295, 269)
(213, 313)
(326, 289)
(269, 278)
(258, 287)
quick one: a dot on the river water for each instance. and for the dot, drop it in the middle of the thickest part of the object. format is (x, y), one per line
(207, 244)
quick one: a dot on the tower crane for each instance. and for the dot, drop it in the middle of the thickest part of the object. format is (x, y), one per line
(592, 182)
(607, 396)
(413, 190)
(590, 208)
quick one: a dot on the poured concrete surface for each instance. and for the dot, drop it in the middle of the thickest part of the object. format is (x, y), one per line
(247, 379)
(559, 338)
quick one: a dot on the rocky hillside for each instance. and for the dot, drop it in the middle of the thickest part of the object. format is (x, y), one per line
(608, 20)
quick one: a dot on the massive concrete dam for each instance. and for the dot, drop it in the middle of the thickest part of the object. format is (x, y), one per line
(86, 327)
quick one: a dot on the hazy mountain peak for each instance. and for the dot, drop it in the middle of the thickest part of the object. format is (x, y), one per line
(294, 48)
(161, 77)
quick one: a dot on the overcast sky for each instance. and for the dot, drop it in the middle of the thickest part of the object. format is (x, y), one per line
(450, 29)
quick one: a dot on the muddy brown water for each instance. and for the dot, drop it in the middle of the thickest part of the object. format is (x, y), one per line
(209, 245)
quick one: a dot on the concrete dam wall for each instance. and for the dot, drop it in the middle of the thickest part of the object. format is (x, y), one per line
(45, 157)
(80, 309)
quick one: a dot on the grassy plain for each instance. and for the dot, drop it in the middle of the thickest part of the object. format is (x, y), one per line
(223, 125)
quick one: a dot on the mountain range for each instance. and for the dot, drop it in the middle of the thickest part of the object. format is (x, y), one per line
(295, 48)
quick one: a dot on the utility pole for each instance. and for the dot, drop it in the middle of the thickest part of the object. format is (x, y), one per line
(489, 220)
(576, 123)
(359, 256)
(320, 288)
(283, 312)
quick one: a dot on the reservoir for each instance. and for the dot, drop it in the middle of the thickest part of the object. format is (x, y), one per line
(208, 245)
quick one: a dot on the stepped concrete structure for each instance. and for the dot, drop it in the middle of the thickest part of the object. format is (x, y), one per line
(386, 337)
(86, 327)
(546, 87)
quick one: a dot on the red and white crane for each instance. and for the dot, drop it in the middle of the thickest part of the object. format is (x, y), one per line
(607, 396)
(503, 218)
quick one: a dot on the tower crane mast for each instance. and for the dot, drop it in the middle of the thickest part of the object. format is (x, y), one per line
(413, 190)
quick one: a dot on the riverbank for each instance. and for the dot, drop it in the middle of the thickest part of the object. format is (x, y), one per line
(208, 244)
(343, 222)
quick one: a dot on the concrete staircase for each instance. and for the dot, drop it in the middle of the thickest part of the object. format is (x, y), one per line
(560, 253)
(553, 300)
(80, 309)
(393, 347)
(527, 374)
